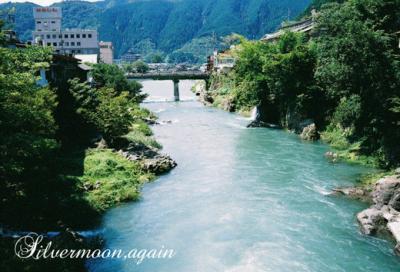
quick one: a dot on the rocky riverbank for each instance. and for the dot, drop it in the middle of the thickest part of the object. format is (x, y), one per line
(306, 129)
(383, 216)
(150, 158)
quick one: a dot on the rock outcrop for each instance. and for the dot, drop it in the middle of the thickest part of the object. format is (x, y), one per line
(310, 133)
(384, 214)
(228, 104)
(150, 158)
(354, 193)
(205, 97)
(159, 164)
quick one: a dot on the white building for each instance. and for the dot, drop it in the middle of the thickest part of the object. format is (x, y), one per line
(48, 32)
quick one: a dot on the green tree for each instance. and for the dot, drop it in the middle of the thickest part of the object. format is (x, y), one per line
(27, 129)
(357, 57)
(111, 76)
(140, 66)
(156, 58)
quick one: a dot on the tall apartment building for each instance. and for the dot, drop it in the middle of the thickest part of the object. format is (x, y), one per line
(83, 43)
(106, 52)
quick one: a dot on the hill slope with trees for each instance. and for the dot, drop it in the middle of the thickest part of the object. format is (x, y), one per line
(170, 26)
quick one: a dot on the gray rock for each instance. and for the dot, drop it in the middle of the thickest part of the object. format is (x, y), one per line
(384, 213)
(159, 164)
(384, 190)
(353, 192)
(310, 133)
(370, 220)
(228, 105)
(395, 201)
(206, 98)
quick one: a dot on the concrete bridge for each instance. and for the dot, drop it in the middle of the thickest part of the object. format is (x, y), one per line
(174, 76)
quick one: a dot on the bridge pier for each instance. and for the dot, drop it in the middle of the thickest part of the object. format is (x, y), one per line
(176, 89)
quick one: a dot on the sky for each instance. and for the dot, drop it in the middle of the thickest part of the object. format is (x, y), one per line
(39, 2)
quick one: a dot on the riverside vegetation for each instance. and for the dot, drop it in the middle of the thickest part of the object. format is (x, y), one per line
(343, 85)
(66, 153)
(345, 79)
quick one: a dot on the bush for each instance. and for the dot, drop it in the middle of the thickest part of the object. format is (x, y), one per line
(348, 111)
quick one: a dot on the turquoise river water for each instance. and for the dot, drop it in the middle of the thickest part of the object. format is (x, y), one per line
(240, 200)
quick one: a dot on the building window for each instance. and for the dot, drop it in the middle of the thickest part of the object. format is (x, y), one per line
(54, 36)
(38, 22)
(48, 36)
(66, 36)
(53, 22)
(72, 36)
(72, 43)
(89, 36)
(60, 36)
(48, 44)
(83, 35)
(54, 44)
(78, 51)
(78, 43)
(66, 43)
(60, 44)
(78, 36)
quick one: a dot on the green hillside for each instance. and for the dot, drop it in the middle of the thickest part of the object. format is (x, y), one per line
(169, 25)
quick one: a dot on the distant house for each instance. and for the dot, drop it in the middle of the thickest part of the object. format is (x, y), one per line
(221, 62)
(305, 26)
(130, 57)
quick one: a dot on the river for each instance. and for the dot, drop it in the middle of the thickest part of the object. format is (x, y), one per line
(240, 200)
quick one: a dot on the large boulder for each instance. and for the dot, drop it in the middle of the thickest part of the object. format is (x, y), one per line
(371, 220)
(384, 214)
(310, 133)
(354, 193)
(385, 189)
(159, 164)
(228, 104)
(149, 157)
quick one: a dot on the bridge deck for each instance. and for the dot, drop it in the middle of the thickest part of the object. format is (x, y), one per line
(170, 76)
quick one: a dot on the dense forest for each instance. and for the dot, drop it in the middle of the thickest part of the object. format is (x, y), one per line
(178, 27)
(346, 78)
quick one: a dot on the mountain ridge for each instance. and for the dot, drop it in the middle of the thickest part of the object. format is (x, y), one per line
(171, 25)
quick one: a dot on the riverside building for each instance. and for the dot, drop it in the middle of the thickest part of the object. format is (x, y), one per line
(82, 43)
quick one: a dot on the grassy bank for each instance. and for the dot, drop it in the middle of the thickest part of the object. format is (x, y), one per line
(108, 178)
(111, 179)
